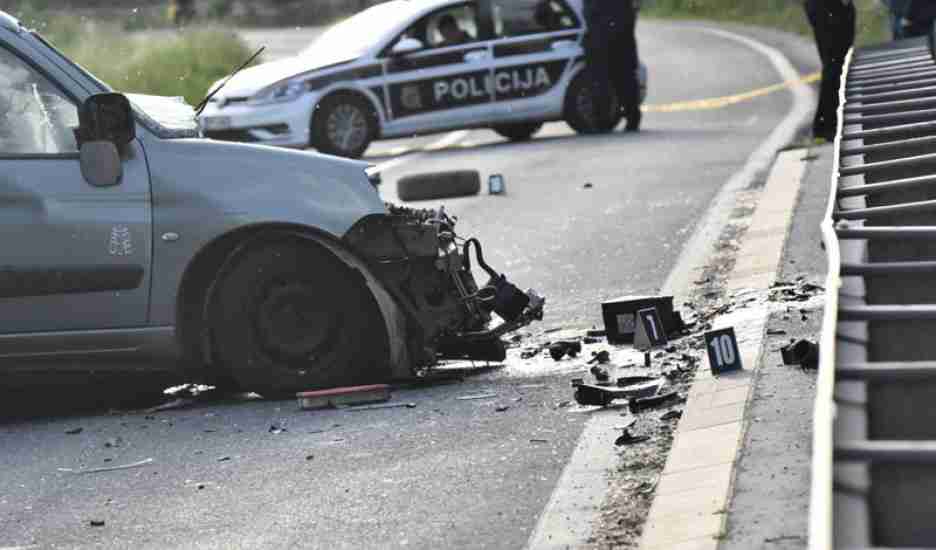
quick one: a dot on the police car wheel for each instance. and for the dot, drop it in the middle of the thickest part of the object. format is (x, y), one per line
(343, 125)
(290, 317)
(580, 112)
(519, 132)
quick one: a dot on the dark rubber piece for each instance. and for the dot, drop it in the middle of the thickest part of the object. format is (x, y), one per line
(439, 185)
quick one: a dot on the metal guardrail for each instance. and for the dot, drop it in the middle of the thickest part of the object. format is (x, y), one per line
(874, 437)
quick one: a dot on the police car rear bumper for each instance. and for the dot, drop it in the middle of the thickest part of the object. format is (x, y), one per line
(279, 124)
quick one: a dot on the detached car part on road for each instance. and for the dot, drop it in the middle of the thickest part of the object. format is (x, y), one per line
(134, 245)
(389, 72)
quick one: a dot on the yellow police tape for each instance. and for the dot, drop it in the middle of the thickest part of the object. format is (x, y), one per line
(721, 102)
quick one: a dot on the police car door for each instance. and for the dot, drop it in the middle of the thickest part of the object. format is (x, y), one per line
(444, 85)
(535, 47)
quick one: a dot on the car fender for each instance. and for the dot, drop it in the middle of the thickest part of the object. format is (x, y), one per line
(204, 189)
(345, 87)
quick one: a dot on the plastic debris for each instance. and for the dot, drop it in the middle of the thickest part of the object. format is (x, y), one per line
(671, 415)
(601, 357)
(96, 523)
(381, 407)
(600, 374)
(803, 353)
(628, 438)
(645, 403)
(74, 431)
(559, 350)
(107, 468)
(277, 429)
(478, 396)
(175, 404)
(345, 396)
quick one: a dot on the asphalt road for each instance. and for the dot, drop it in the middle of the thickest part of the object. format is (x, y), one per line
(449, 472)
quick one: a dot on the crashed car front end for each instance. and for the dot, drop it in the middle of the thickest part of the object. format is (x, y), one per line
(427, 268)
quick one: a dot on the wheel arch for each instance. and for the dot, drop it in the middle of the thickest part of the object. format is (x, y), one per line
(366, 94)
(198, 285)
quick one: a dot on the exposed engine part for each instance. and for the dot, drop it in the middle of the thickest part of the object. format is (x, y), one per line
(426, 267)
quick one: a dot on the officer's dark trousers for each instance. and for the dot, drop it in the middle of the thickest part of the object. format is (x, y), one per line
(624, 62)
(614, 68)
(834, 27)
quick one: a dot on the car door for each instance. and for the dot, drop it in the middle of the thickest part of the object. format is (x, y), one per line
(536, 45)
(441, 86)
(73, 257)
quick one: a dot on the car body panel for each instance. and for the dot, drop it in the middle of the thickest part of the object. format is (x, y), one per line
(93, 281)
(246, 185)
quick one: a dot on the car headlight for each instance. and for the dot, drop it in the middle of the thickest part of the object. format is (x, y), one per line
(280, 93)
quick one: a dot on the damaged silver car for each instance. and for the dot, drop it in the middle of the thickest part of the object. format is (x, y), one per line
(134, 245)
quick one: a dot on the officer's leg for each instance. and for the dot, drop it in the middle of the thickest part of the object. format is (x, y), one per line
(602, 85)
(817, 19)
(840, 36)
(627, 62)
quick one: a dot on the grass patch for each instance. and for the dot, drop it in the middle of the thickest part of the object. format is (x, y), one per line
(163, 62)
(787, 15)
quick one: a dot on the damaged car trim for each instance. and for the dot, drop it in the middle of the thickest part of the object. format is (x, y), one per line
(425, 266)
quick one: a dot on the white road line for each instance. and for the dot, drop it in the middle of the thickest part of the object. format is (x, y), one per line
(446, 141)
(576, 501)
(694, 254)
(399, 151)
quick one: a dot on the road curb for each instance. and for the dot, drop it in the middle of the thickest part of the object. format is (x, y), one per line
(689, 510)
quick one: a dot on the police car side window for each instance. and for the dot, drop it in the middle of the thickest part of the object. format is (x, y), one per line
(520, 17)
(450, 27)
(35, 116)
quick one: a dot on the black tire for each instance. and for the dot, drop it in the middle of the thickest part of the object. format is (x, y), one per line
(579, 108)
(291, 317)
(328, 120)
(439, 185)
(521, 131)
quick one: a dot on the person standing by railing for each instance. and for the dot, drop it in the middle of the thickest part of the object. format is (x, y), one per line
(833, 23)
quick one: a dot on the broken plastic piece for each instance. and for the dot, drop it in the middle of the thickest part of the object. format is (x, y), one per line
(627, 438)
(600, 374)
(336, 397)
(559, 350)
(108, 468)
(803, 353)
(671, 415)
(600, 357)
(642, 404)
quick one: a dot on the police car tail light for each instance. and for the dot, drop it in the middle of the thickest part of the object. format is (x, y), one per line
(281, 93)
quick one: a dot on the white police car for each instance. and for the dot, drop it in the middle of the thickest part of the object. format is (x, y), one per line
(409, 67)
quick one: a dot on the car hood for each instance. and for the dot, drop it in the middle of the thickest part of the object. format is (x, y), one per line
(206, 181)
(250, 81)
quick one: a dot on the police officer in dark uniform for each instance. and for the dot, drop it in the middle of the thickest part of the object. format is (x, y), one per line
(611, 57)
(833, 23)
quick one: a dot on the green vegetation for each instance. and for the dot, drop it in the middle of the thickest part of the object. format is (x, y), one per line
(159, 62)
(786, 15)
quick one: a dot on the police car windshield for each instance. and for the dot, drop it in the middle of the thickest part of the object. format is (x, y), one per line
(361, 32)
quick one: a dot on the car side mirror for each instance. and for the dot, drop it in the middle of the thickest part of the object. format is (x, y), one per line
(100, 163)
(107, 117)
(406, 46)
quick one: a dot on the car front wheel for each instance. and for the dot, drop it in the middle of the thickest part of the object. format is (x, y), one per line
(344, 125)
(291, 317)
(520, 131)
